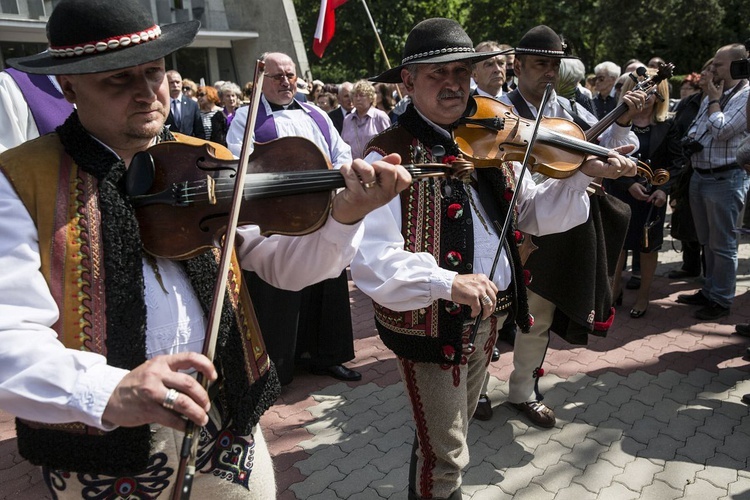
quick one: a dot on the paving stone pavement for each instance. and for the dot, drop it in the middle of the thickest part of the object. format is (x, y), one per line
(652, 411)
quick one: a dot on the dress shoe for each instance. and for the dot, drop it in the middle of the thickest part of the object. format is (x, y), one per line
(693, 299)
(495, 354)
(746, 399)
(636, 313)
(711, 312)
(484, 408)
(338, 371)
(537, 412)
(634, 283)
(743, 330)
(681, 274)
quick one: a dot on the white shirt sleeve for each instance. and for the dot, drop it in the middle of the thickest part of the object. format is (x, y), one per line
(40, 379)
(17, 125)
(236, 132)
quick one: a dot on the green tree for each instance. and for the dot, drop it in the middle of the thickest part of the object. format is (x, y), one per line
(684, 32)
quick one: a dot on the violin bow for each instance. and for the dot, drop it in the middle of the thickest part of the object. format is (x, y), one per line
(189, 449)
(506, 223)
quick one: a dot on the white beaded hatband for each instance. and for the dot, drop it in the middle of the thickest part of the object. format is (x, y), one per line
(448, 50)
(112, 43)
(542, 52)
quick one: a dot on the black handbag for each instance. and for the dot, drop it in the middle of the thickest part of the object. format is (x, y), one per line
(650, 230)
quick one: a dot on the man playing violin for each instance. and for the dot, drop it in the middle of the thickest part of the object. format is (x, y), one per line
(99, 340)
(425, 257)
(570, 270)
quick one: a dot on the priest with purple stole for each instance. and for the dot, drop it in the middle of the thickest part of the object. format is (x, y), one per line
(315, 324)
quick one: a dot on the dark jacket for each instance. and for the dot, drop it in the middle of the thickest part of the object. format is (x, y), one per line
(337, 117)
(190, 119)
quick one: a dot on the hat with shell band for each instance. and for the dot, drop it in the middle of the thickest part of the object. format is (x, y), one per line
(435, 41)
(543, 41)
(94, 36)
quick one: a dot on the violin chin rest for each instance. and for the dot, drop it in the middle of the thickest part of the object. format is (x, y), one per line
(140, 175)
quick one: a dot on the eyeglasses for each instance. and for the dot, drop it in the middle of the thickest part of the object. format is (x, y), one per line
(280, 77)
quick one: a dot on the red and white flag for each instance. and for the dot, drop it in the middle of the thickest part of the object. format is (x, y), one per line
(326, 25)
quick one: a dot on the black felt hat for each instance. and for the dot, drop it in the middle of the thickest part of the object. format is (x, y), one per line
(93, 36)
(435, 41)
(543, 41)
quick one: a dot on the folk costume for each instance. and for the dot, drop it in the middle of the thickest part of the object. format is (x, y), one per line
(415, 246)
(81, 303)
(570, 291)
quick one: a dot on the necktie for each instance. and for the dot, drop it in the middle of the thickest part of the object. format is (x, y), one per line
(176, 112)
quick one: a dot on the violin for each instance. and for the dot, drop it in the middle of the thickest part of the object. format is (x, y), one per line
(496, 133)
(182, 193)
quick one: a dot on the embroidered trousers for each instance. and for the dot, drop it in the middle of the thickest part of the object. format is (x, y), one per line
(228, 467)
(529, 350)
(443, 399)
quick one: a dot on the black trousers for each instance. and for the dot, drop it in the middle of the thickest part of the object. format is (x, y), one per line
(312, 326)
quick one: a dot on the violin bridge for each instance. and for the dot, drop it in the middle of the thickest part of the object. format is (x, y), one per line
(211, 190)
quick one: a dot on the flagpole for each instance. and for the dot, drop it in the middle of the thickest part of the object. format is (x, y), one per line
(377, 36)
(375, 29)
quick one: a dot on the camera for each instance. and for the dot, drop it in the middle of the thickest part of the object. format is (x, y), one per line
(690, 146)
(740, 69)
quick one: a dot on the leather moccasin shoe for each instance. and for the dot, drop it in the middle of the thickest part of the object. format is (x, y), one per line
(711, 312)
(693, 299)
(484, 408)
(743, 330)
(338, 371)
(537, 412)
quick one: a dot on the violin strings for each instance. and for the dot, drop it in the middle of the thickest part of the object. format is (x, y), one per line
(280, 184)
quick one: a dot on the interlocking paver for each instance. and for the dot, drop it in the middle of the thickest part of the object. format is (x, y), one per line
(662, 491)
(700, 447)
(718, 476)
(518, 478)
(719, 426)
(618, 491)
(557, 477)
(597, 475)
(356, 481)
(704, 489)
(320, 459)
(353, 461)
(681, 427)
(678, 473)
(392, 483)
(623, 452)
(639, 474)
(573, 492)
(317, 483)
(573, 433)
(736, 446)
(631, 411)
(531, 492)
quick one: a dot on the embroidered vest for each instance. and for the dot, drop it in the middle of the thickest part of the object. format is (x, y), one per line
(63, 202)
(436, 218)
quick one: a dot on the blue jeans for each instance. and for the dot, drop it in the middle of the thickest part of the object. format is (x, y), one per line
(716, 201)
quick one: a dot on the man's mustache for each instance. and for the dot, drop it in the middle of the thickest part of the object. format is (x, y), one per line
(450, 94)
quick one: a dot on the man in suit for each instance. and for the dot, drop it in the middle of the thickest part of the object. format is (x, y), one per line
(184, 114)
(490, 73)
(345, 106)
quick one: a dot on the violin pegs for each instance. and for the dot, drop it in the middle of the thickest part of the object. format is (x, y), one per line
(438, 152)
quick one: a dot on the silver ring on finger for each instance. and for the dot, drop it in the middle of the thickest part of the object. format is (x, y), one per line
(170, 399)
(486, 300)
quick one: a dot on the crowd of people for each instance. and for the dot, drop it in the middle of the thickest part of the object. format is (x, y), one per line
(101, 335)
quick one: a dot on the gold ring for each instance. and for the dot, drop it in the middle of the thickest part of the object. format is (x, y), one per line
(170, 399)
(369, 185)
(486, 300)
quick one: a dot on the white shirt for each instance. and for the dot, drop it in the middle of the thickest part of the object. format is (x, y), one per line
(41, 380)
(17, 124)
(404, 281)
(292, 122)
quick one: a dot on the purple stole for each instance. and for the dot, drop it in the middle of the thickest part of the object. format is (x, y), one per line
(47, 105)
(265, 127)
